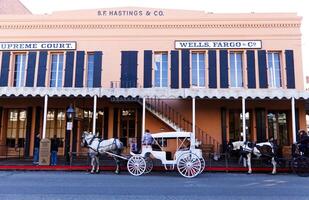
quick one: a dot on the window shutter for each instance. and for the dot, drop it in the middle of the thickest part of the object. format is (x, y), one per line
(79, 70)
(5, 65)
(262, 68)
(224, 80)
(251, 69)
(185, 63)
(30, 69)
(212, 67)
(147, 69)
(174, 69)
(42, 69)
(128, 77)
(290, 73)
(68, 79)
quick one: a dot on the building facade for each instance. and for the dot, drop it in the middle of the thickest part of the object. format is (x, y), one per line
(241, 71)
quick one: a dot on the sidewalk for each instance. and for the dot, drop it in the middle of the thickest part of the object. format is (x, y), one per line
(108, 164)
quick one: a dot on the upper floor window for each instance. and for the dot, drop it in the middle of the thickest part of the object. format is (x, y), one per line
(20, 70)
(161, 69)
(274, 71)
(90, 68)
(56, 70)
(236, 76)
(198, 69)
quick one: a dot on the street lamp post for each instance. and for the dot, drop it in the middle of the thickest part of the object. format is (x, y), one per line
(70, 116)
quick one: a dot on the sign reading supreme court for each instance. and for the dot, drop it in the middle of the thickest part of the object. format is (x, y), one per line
(19, 46)
(218, 44)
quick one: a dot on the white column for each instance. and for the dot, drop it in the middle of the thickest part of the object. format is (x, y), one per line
(193, 123)
(143, 117)
(94, 114)
(45, 116)
(244, 118)
(293, 119)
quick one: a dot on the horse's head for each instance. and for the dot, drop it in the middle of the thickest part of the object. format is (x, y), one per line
(85, 137)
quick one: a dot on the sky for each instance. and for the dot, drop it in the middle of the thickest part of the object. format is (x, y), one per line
(215, 6)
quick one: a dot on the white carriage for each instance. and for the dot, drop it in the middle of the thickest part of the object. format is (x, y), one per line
(185, 156)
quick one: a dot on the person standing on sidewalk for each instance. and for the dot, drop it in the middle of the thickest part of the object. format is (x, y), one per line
(36, 149)
(54, 150)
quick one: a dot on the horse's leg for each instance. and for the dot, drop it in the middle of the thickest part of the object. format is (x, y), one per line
(273, 161)
(93, 164)
(97, 164)
(117, 161)
(249, 163)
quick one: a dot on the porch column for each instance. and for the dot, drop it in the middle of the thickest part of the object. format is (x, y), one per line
(143, 117)
(293, 119)
(95, 98)
(193, 121)
(45, 116)
(243, 100)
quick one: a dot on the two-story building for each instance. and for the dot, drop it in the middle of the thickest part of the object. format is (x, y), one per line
(220, 72)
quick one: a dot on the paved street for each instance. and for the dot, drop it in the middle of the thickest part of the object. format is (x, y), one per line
(157, 185)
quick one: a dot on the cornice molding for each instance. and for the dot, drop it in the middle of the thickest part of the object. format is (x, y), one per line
(147, 26)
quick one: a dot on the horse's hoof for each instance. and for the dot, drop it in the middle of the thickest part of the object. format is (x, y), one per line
(117, 172)
(91, 172)
(97, 172)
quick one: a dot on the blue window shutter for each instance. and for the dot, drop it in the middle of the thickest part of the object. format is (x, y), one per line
(224, 79)
(69, 62)
(251, 69)
(147, 69)
(30, 69)
(79, 70)
(174, 69)
(5, 65)
(212, 63)
(128, 77)
(42, 69)
(97, 69)
(262, 68)
(290, 73)
(133, 69)
(185, 66)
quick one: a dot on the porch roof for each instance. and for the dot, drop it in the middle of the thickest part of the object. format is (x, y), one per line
(164, 93)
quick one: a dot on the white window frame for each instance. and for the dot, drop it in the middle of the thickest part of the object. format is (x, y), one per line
(21, 82)
(236, 70)
(57, 70)
(161, 71)
(87, 69)
(198, 69)
(271, 70)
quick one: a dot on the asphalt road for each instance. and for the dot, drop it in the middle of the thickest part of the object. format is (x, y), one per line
(157, 185)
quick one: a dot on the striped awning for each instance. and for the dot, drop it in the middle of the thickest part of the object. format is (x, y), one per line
(164, 93)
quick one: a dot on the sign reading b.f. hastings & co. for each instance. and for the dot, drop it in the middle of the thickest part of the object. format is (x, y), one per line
(218, 44)
(19, 46)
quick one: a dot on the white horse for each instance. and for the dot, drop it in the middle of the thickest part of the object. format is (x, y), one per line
(96, 146)
(265, 149)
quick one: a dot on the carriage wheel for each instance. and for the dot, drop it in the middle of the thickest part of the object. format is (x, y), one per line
(149, 165)
(189, 165)
(300, 166)
(136, 165)
(203, 165)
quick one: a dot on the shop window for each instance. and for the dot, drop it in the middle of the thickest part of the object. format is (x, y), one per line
(235, 125)
(160, 69)
(236, 69)
(90, 69)
(20, 70)
(56, 75)
(278, 127)
(274, 69)
(55, 124)
(198, 69)
(16, 128)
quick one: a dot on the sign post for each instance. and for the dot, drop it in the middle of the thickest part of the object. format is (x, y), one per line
(44, 155)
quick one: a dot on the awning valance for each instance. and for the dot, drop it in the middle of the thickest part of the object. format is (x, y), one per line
(163, 93)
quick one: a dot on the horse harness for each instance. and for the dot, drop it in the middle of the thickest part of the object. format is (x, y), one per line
(99, 142)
